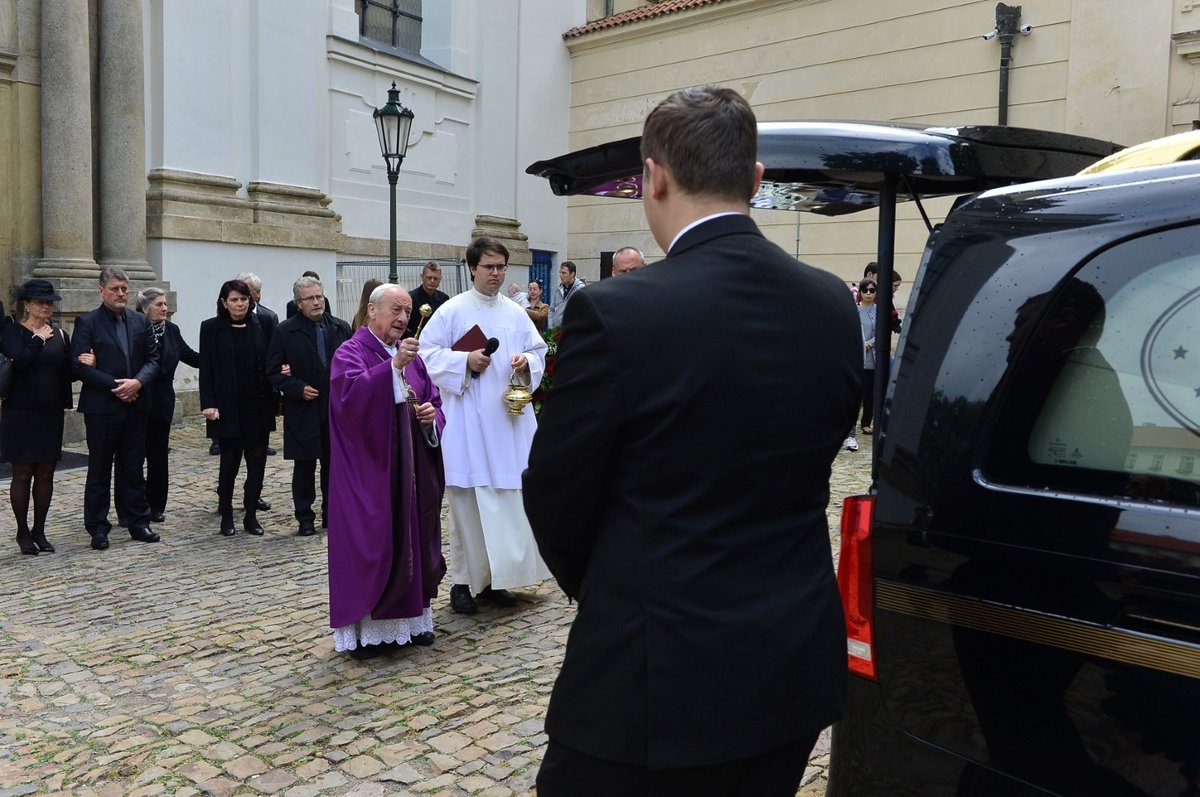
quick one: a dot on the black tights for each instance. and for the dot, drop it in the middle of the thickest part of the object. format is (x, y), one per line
(231, 459)
(41, 475)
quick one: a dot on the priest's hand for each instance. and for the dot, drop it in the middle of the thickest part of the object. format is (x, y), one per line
(426, 414)
(519, 363)
(406, 352)
(478, 362)
(310, 393)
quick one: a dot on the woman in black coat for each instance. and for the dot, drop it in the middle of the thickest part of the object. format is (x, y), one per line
(31, 426)
(237, 400)
(172, 350)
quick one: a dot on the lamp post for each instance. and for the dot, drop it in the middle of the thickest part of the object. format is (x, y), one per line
(392, 122)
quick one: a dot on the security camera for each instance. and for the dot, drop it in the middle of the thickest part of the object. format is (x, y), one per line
(1025, 30)
(991, 34)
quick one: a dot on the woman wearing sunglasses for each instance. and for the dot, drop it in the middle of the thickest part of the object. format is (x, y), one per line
(867, 290)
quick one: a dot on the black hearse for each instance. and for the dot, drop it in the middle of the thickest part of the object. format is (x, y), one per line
(1022, 584)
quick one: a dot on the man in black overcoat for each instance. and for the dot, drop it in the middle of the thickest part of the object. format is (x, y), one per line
(298, 366)
(678, 483)
(426, 293)
(115, 407)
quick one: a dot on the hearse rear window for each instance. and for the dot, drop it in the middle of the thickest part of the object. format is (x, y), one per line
(1105, 397)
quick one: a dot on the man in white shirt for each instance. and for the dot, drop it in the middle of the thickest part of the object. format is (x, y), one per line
(485, 446)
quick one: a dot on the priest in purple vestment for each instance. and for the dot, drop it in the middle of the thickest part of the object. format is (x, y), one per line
(385, 487)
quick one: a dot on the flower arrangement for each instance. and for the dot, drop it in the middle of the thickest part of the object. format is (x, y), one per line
(551, 336)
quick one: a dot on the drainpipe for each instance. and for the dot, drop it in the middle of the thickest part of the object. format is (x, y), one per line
(1006, 28)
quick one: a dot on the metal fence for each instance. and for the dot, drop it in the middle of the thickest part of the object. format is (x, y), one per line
(353, 274)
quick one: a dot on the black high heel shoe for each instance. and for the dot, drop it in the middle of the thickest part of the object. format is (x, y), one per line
(39, 539)
(25, 541)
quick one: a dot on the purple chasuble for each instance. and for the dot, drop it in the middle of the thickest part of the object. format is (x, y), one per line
(385, 489)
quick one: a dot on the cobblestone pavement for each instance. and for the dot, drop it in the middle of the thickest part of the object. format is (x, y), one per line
(204, 665)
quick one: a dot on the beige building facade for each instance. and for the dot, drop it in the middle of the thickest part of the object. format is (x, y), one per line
(1091, 67)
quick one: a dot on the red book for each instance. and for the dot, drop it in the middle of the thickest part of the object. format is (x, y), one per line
(471, 340)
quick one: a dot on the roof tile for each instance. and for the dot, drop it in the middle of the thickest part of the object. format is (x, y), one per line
(636, 15)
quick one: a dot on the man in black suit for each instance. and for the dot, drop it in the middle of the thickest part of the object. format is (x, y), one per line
(426, 293)
(115, 407)
(298, 361)
(709, 648)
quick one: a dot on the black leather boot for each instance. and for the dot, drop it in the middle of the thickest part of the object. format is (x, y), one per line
(251, 525)
(227, 527)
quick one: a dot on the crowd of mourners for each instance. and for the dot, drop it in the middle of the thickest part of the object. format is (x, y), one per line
(372, 407)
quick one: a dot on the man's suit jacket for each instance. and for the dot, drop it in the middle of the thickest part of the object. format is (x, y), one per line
(295, 343)
(173, 349)
(677, 487)
(268, 320)
(97, 332)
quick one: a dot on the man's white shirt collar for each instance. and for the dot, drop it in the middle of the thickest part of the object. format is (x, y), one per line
(698, 222)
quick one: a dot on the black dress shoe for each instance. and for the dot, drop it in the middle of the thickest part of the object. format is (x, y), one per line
(144, 535)
(262, 505)
(251, 525)
(227, 527)
(306, 529)
(99, 541)
(271, 452)
(461, 601)
(424, 639)
(158, 517)
(500, 597)
(215, 448)
(367, 651)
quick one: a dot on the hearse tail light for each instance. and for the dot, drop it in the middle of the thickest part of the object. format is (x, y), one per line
(856, 585)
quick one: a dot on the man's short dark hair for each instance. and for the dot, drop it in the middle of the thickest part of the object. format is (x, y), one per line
(433, 266)
(708, 137)
(568, 265)
(312, 274)
(481, 246)
(872, 268)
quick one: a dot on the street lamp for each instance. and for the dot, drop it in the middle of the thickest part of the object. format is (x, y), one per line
(392, 122)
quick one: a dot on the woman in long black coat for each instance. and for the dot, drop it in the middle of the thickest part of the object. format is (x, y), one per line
(237, 400)
(172, 350)
(31, 427)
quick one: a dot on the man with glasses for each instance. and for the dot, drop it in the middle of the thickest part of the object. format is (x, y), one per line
(485, 447)
(627, 260)
(114, 406)
(298, 359)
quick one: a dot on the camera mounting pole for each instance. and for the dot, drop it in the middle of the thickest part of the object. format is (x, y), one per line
(1007, 18)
